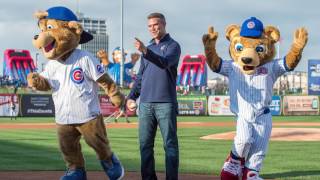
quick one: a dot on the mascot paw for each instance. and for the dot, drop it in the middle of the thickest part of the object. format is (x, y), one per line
(209, 40)
(301, 37)
(118, 100)
(33, 78)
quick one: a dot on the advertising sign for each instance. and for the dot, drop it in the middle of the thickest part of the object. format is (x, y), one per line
(300, 105)
(275, 106)
(314, 77)
(192, 105)
(9, 105)
(219, 106)
(37, 105)
(107, 108)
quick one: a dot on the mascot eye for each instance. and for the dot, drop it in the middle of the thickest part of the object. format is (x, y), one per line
(238, 47)
(49, 26)
(260, 48)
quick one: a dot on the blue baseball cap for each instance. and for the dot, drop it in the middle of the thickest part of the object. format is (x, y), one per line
(252, 27)
(118, 49)
(64, 14)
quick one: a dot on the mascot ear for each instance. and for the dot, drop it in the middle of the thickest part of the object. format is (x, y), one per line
(272, 33)
(76, 27)
(40, 14)
(232, 31)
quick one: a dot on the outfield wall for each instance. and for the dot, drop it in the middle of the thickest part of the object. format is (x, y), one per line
(280, 105)
(41, 105)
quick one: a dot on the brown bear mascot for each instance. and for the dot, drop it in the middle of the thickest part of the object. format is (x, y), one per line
(74, 77)
(251, 74)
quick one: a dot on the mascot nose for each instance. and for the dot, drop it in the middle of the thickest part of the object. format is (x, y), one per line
(35, 37)
(246, 60)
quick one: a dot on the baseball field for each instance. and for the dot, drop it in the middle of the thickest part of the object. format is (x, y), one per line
(29, 149)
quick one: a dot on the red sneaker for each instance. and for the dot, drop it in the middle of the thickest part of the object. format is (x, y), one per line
(232, 169)
(250, 175)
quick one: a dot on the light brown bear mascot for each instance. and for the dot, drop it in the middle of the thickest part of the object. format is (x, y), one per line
(251, 74)
(74, 77)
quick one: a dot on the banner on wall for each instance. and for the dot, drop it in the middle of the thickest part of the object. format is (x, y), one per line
(300, 105)
(107, 108)
(192, 105)
(219, 106)
(9, 105)
(313, 77)
(37, 105)
(275, 106)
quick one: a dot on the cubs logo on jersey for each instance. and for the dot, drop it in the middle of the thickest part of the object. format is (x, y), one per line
(77, 75)
(100, 69)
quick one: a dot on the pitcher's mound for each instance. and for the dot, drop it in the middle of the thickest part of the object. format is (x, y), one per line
(278, 134)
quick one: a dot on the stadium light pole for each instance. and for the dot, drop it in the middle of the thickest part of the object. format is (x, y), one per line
(278, 56)
(37, 54)
(121, 47)
(42, 67)
(300, 88)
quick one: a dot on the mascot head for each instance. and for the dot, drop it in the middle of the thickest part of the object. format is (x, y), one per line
(252, 44)
(60, 32)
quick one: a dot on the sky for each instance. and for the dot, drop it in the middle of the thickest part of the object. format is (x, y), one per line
(187, 21)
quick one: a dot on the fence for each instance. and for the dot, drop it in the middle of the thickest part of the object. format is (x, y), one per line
(41, 105)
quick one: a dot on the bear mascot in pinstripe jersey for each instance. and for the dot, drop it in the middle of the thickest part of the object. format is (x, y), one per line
(74, 77)
(252, 73)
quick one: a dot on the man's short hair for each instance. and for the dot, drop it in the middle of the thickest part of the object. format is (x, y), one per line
(157, 15)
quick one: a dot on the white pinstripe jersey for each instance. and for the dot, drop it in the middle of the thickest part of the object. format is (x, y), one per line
(74, 87)
(251, 94)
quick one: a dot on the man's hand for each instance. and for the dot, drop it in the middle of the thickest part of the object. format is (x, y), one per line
(140, 46)
(131, 105)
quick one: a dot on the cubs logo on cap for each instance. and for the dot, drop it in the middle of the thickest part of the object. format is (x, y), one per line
(251, 27)
(77, 76)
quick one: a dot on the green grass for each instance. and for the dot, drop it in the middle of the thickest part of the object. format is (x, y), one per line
(180, 119)
(37, 149)
(27, 120)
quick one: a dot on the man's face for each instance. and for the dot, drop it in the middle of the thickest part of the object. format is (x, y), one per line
(156, 27)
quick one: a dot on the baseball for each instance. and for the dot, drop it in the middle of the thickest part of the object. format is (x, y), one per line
(132, 105)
